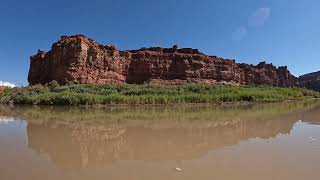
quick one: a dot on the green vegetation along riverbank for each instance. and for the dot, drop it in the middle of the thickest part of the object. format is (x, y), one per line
(54, 94)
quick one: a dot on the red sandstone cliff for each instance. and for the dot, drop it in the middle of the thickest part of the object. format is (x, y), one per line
(81, 60)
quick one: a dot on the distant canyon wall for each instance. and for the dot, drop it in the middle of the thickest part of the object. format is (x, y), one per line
(310, 81)
(79, 59)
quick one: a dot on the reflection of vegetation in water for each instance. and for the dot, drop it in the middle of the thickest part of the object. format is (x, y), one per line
(104, 135)
(147, 94)
(210, 115)
(91, 136)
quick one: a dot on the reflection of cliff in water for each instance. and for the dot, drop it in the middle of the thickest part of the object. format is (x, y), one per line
(75, 146)
(312, 116)
(88, 146)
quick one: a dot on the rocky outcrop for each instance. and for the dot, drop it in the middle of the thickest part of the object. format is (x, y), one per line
(2, 89)
(310, 81)
(81, 60)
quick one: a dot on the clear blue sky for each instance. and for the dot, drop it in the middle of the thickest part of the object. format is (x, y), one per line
(284, 32)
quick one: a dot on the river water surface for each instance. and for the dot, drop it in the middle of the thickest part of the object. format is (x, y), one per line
(266, 141)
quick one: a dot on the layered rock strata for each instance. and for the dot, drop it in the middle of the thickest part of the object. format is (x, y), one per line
(79, 59)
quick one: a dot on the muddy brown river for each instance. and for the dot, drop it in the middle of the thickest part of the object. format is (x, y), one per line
(278, 141)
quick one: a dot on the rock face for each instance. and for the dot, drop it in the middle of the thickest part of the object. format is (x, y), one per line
(2, 88)
(81, 60)
(310, 81)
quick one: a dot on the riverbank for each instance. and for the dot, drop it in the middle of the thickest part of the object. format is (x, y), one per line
(88, 94)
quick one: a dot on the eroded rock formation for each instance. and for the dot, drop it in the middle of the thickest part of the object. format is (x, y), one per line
(81, 60)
